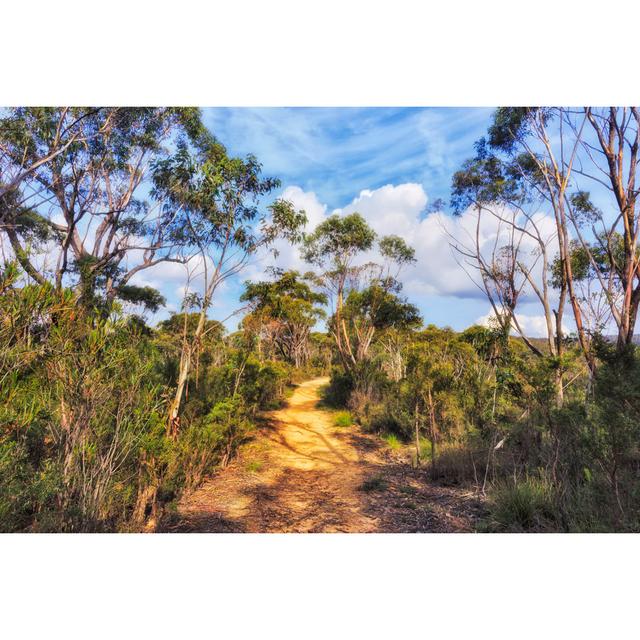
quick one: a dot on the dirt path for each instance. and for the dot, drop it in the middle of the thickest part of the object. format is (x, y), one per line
(303, 474)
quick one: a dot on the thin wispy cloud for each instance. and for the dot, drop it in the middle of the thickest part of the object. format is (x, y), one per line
(388, 163)
(339, 152)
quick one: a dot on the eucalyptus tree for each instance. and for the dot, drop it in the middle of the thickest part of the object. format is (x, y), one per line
(441, 370)
(75, 205)
(65, 128)
(213, 201)
(373, 311)
(333, 247)
(510, 246)
(286, 309)
(366, 294)
(568, 159)
(614, 162)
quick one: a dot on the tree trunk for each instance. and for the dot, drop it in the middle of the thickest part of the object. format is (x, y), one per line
(434, 432)
(417, 428)
(559, 387)
(183, 375)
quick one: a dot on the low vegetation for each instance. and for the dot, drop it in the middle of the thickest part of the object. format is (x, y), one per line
(342, 419)
(107, 421)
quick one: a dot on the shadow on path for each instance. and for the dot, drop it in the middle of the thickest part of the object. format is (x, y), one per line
(309, 476)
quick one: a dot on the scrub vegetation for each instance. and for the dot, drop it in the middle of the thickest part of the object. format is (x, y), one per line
(110, 424)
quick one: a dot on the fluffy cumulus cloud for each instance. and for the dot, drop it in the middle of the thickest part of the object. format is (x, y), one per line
(307, 200)
(534, 326)
(401, 210)
(436, 278)
(390, 209)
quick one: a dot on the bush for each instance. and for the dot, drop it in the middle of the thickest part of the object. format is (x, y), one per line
(206, 443)
(527, 505)
(17, 487)
(392, 440)
(78, 402)
(387, 417)
(336, 394)
(342, 419)
(455, 464)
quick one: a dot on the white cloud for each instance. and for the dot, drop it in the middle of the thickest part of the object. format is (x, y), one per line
(533, 326)
(400, 209)
(390, 209)
(307, 200)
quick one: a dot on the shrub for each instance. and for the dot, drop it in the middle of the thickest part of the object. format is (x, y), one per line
(206, 443)
(17, 479)
(527, 505)
(342, 419)
(387, 417)
(79, 400)
(455, 463)
(392, 440)
(336, 393)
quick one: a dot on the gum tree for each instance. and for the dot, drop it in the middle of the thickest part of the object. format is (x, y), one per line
(75, 200)
(213, 201)
(286, 309)
(366, 294)
(563, 157)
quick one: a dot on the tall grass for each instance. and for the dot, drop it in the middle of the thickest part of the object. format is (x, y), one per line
(343, 419)
(530, 504)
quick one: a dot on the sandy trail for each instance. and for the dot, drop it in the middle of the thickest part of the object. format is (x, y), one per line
(303, 474)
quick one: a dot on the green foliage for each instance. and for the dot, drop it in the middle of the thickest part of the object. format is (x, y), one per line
(512, 124)
(583, 208)
(528, 505)
(336, 394)
(394, 248)
(381, 309)
(19, 486)
(75, 410)
(342, 419)
(286, 297)
(337, 240)
(282, 314)
(149, 297)
(85, 389)
(482, 180)
(486, 415)
(207, 442)
(84, 167)
(392, 440)
(83, 445)
(216, 198)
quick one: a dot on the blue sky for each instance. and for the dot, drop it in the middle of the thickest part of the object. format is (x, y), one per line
(336, 153)
(386, 163)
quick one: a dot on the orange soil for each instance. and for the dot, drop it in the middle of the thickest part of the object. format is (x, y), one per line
(303, 474)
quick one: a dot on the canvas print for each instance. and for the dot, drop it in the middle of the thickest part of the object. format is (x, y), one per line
(363, 320)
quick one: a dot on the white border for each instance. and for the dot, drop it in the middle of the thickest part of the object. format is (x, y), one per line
(336, 52)
(319, 586)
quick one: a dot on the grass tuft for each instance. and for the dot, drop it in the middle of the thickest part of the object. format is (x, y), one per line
(343, 419)
(253, 466)
(528, 505)
(392, 440)
(376, 483)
